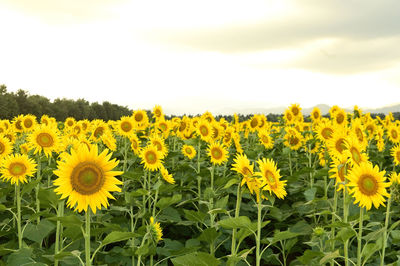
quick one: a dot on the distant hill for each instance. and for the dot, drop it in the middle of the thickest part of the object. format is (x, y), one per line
(306, 111)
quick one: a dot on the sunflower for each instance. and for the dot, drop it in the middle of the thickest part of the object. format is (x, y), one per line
(151, 158)
(370, 126)
(395, 152)
(217, 131)
(159, 143)
(167, 176)
(358, 130)
(17, 123)
(28, 122)
(69, 123)
(333, 110)
(394, 178)
(24, 148)
(188, 151)
(253, 123)
(288, 116)
(338, 170)
(270, 178)
(44, 138)
(109, 140)
(315, 114)
(141, 119)
(125, 126)
(135, 144)
(164, 127)
(87, 178)
(45, 119)
(265, 139)
(208, 117)
(16, 167)
(204, 130)
(337, 144)
(158, 112)
(155, 230)
(242, 166)
(393, 133)
(6, 146)
(367, 185)
(354, 150)
(324, 131)
(293, 140)
(295, 109)
(340, 118)
(98, 128)
(218, 153)
(236, 141)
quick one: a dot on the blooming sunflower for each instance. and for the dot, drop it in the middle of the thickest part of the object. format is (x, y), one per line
(155, 230)
(324, 131)
(204, 130)
(394, 178)
(354, 150)
(109, 140)
(288, 116)
(5, 146)
(242, 166)
(44, 138)
(338, 170)
(87, 178)
(159, 143)
(24, 148)
(270, 178)
(166, 176)
(395, 152)
(295, 109)
(265, 139)
(151, 158)
(141, 119)
(315, 114)
(16, 167)
(218, 153)
(340, 118)
(158, 112)
(253, 123)
(358, 130)
(188, 151)
(164, 127)
(98, 128)
(293, 140)
(337, 143)
(69, 123)
(367, 185)
(28, 122)
(135, 144)
(125, 126)
(393, 133)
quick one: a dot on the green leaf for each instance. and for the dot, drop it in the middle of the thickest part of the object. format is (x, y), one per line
(38, 232)
(279, 236)
(20, 257)
(222, 203)
(195, 216)
(329, 256)
(309, 255)
(238, 222)
(309, 194)
(70, 220)
(117, 236)
(28, 187)
(231, 182)
(143, 250)
(167, 201)
(138, 192)
(196, 259)
(2, 207)
(345, 234)
(48, 198)
(301, 228)
(209, 235)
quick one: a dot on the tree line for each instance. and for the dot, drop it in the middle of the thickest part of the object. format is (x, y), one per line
(21, 102)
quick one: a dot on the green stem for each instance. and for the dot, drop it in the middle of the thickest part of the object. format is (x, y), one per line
(38, 176)
(125, 158)
(359, 237)
(17, 190)
(310, 165)
(345, 214)
(60, 213)
(87, 238)
(290, 163)
(237, 210)
(387, 218)
(335, 200)
(212, 246)
(258, 239)
(155, 202)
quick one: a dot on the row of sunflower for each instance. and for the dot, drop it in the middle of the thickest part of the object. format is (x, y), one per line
(158, 169)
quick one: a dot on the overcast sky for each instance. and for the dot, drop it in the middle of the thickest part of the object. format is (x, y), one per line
(193, 56)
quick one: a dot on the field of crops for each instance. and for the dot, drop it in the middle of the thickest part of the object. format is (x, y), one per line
(146, 190)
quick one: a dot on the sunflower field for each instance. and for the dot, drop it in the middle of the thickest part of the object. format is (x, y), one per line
(146, 190)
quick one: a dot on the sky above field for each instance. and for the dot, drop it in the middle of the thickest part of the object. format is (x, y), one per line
(193, 56)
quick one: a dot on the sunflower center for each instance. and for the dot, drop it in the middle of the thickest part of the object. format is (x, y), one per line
(126, 126)
(368, 184)
(28, 123)
(98, 132)
(2, 148)
(18, 125)
(70, 123)
(139, 117)
(359, 134)
(204, 130)
(215, 133)
(342, 172)
(394, 133)
(44, 140)
(370, 129)
(17, 169)
(216, 153)
(157, 113)
(182, 126)
(326, 133)
(254, 122)
(87, 178)
(77, 129)
(293, 140)
(134, 144)
(397, 154)
(289, 117)
(316, 115)
(151, 157)
(270, 177)
(295, 111)
(355, 155)
(340, 145)
(158, 145)
(340, 118)
(265, 139)
(188, 150)
(246, 172)
(163, 127)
